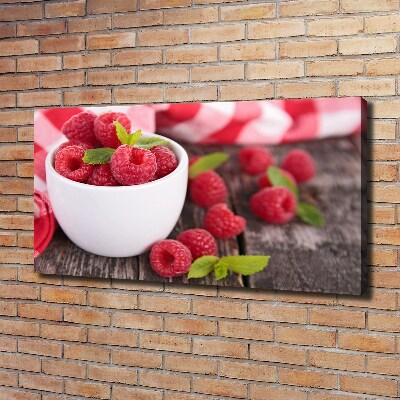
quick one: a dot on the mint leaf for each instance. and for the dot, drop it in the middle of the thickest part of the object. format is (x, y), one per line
(207, 163)
(220, 270)
(310, 214)
(98, 156)
(122, 134)
(125, 137)
(202, 266)
(150, 142)
(246, 265)
(134, 137)
(276, 178)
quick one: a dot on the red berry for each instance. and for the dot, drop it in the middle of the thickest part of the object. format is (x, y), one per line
(105, 130)
(170, 258)
(263, 180)
(102, 176)
(208, 189)
(199, 242)
(255, 159)
(133, 166)
(166, 161)
(69, 164)
(274, 204)
(300, 164)
(72, 143)
(80, 127)
(221, 222)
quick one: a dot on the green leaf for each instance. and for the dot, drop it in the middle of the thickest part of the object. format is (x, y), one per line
(150, 142)
(246, 265)
(310, 214)
(134, 137)
(202, 266)
(125, 137)
(276, 178)
(207, 163)
(98, 156)
(220, 270)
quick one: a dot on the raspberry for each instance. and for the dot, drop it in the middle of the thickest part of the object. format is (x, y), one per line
(69, 164)
(170, 258)
(221, 222)
(274, 204)
(263, 180)
(199, 242)
(86, 146)
(208, 189)
(133, 166)
(255, 160)
(166, 161)
(102, 176)
(80, 127)
(106, 132)
(300, 164)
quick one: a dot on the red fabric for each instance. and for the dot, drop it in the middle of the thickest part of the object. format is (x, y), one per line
(44, 222)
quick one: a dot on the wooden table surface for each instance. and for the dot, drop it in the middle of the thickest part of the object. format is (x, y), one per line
(303, 258)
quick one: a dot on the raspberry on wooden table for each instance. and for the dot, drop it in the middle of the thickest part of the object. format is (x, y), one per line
(208, 189)
(255, 159)
(106, 132)
(300, 164)
(199, 241)
(170, 258)
(132, 165)
(274, 204)
(102, 176)
(221, 222)
(69, 164)
(80, 127)
(166, 161)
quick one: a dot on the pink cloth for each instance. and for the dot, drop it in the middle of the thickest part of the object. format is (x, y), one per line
(244, 122)
(266, 122)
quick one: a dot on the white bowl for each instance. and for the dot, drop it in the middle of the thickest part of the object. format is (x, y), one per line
(120, 221)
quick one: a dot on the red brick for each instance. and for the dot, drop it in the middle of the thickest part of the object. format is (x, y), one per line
(89, 25)
(7, 31)
(87, 96)
(112, 300)
(8, 378)
(7, 65)
(41, 28)
(67, 9)
(86, 317)
(21, 12)
(106, 7)
(363, 384)
(39, 347)
(278, 354)
(64, 368)
(197, 365)
(307, 337)
(340, 318)
(138, 321)
(87, 389)
(40, 311)
(19, 362)
(222, 348)
(261, 392)
(42, 63)
(38, 382)
(13, 394)
(63, 332)
(7, 308)
(164, 380)
(190, 326)
(62, 44)
(117, 77)
(88, 60)
(112, 337)
(334, 360)
(123, 393)
(266, 312)
(86, 353)
(314, 379)
(366, 342)
(138, 358)
(62, 79)
(111, 40)
(14, 82)
(138, 20)
(165, 342)
(220, 387)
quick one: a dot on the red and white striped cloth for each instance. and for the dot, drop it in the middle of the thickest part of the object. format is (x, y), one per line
(269, 122)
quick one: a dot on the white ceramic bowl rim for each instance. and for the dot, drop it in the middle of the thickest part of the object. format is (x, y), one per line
(182, 156)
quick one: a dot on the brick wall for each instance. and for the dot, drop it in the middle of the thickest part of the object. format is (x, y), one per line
(68, 338)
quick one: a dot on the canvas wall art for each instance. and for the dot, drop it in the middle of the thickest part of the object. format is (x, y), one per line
(256, 194)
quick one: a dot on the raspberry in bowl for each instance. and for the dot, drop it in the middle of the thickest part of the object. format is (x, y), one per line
(116, 220)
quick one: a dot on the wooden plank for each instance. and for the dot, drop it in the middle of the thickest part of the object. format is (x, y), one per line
(62, 257)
